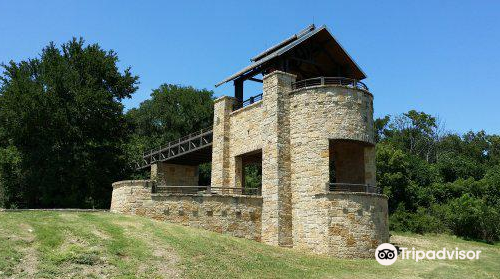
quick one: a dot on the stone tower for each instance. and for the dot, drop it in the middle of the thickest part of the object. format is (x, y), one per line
(314, 135)
(310, 135)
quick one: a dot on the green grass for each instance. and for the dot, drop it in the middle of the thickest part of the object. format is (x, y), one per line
(96, 245)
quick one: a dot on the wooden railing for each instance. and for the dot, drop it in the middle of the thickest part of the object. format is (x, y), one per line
(352, 187)
(341, 81)
(176, 148)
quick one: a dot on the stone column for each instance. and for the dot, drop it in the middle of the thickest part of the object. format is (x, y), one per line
(276, 193)
(157, 170)
(223, 106)
(370, 166)
(239, 173)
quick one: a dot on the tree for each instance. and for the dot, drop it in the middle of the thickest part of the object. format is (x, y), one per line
(172, 112)
(62, 112)
(439, 182)
(417, 133)
(393, 175)
(10, 176)
(466, 156)
(381, 128)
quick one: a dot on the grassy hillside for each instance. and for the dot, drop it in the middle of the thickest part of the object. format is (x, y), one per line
(105, 245)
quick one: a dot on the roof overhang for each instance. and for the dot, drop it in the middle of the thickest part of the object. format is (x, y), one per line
(332, 49)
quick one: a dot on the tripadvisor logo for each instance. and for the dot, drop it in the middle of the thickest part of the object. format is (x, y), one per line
(387, 254)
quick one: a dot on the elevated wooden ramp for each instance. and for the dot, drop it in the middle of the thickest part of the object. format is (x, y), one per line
(193, 149)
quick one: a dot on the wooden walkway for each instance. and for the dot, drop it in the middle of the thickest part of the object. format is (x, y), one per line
(193, 149)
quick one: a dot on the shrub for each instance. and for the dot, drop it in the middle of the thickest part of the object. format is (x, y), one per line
(474, 218)
(421, 221)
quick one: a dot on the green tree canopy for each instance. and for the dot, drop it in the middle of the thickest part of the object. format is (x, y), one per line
(439, 182)
(172, 112)
(61, 116)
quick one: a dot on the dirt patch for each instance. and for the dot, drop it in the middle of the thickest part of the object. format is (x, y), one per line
(28, 264)
(89, 271)
(406, 241)
(68, 216)
(71, 239)
(129, 223)
(100, 234)
(83, 260)
(165, 260)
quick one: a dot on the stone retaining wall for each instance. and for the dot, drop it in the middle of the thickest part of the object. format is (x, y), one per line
(232, 214)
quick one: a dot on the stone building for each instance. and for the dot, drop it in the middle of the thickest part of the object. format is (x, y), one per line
(310, 136)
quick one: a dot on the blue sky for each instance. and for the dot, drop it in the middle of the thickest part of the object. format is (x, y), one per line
(440, 57)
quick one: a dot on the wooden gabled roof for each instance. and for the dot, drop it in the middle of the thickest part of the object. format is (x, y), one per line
(310, 53)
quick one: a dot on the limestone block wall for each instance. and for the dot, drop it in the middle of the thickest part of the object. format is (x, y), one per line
(129, 195)
(317, 115)
(333, 112)
(352, 225)
(223, 106)
(245, 135)
(232, 214)
(173, 174)
(235, 215)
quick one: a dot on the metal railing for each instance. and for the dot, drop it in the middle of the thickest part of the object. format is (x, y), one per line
(247, 102)
(183, 145)
(205, 190)
(352, 187)
(341, 81)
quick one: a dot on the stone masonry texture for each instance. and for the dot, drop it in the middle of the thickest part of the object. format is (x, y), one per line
(298, 132)
(175, 175)
(235, 215)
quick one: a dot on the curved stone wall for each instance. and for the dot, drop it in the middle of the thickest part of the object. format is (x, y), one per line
(335, 112)
(353, 224)
(129, 195)
(317, 115)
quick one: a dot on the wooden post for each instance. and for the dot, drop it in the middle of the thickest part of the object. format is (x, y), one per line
(238, 89)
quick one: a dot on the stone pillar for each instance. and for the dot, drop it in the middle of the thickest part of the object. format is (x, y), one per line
(223, 106)
(276, 192)
(157, 169)
(370, 166)
(239, 173)
(175, 175)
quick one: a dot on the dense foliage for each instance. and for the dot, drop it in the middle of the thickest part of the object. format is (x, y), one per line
(439, 182)
(172, 112)
(64, 137)
(62, 127)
